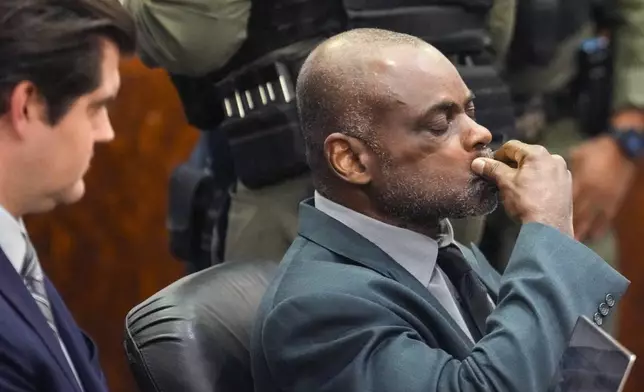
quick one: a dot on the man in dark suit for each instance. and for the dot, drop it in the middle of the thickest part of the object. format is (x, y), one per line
(59, 70)
(375, 295)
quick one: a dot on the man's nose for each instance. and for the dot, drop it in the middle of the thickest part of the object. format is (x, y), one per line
(105, 132)
(476, 135)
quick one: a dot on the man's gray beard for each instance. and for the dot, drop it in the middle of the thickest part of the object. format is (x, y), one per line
(406, 200)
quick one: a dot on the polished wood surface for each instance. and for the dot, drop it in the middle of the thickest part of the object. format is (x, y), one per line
(630, 229)
(110, 251)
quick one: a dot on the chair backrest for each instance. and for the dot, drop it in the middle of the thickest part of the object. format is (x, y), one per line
(194, 335)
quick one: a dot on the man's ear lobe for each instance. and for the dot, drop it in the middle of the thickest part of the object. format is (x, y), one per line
(25, 105)
(347, 157)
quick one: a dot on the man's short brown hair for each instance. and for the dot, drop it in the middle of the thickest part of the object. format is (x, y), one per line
(57, 45)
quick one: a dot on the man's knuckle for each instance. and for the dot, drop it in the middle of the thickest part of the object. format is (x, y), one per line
(539, 150)
(559, 160)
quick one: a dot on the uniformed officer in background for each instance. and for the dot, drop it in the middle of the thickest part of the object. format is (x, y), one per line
(576, 70)
(234, 63)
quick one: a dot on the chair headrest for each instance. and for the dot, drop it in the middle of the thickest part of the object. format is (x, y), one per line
(194, 335)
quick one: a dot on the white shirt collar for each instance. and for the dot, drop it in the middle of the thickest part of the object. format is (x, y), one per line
(413, 251)
(12, 238)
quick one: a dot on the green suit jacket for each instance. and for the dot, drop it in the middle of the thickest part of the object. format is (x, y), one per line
(342, 316)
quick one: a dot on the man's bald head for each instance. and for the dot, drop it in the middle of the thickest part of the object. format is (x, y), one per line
(390, 129)
(338, 90)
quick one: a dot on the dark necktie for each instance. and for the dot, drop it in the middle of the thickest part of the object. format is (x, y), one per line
(35, 281)
(472, 294)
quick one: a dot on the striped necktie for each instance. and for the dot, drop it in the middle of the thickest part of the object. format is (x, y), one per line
(35, 281)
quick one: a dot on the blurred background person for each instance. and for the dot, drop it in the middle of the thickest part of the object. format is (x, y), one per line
(576, 71)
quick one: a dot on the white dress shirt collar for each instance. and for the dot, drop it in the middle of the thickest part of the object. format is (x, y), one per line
(12, 238)
(413, 251)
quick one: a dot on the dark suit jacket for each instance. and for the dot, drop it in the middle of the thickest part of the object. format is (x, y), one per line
(31, 358)
(342, 316)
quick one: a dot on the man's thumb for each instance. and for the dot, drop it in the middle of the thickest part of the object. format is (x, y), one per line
(489, 167)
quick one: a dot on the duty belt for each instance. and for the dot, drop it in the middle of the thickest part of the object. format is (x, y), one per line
(268, 85)
(267, 81)
(261, 121)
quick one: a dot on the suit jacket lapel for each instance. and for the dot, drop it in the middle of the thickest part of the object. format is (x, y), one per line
(74, 341)
(327, 232)
(16, 293)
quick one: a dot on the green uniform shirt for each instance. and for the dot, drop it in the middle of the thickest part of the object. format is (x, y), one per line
(189, 37)
(629, 56)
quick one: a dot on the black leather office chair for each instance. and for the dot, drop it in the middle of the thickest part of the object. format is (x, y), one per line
(194, 335)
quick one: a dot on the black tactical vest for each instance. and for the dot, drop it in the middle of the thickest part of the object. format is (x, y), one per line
(542, 25)
(453, 26)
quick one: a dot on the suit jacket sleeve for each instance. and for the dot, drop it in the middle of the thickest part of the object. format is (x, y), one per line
(343, 342)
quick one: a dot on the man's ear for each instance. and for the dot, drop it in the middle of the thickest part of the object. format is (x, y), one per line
(25, 107)
(348, 158)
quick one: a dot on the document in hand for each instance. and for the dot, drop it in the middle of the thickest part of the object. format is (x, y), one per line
(593, 361)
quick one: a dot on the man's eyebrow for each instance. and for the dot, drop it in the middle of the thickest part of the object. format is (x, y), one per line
(439, 107)
(470, 97)
(104, 101)
(447, 104)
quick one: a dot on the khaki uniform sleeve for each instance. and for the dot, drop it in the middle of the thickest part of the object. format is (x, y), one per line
(628, 87)
(189, 37)
(501, 20)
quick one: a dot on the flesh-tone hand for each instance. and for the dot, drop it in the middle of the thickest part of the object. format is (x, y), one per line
(535, 186)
